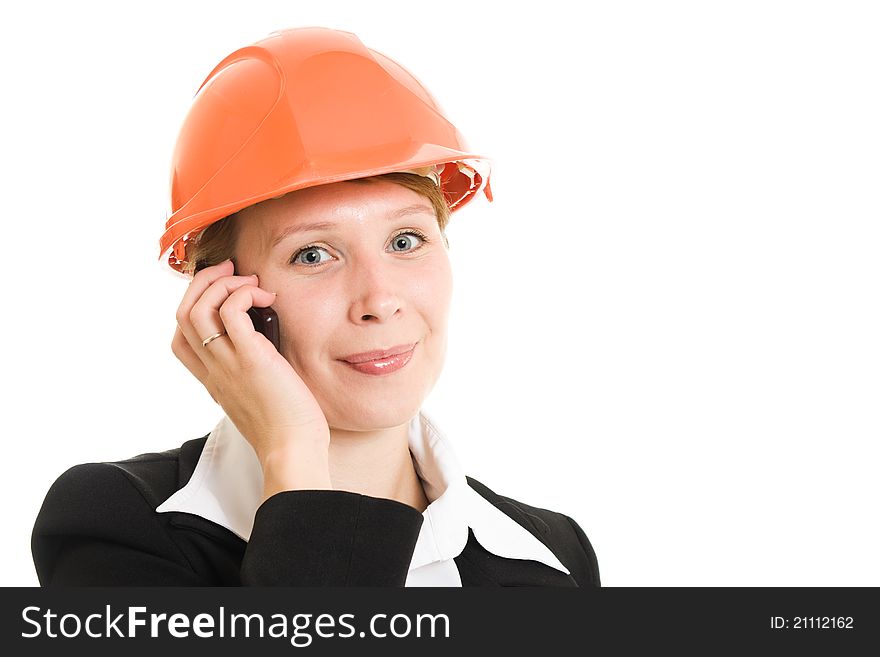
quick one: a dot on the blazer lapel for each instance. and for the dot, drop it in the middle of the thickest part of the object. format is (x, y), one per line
(479, 567)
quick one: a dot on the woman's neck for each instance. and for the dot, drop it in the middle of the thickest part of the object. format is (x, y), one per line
(376, 463)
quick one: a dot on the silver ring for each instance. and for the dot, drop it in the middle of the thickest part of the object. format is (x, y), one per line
(211, 338)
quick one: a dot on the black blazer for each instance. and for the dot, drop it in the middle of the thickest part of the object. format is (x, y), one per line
(99, 526)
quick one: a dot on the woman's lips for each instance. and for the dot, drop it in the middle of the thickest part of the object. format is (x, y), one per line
(393, 360)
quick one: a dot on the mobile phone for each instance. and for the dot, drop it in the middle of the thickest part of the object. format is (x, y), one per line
(265, 320)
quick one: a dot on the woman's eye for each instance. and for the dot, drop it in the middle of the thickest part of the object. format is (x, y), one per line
(406, 241)
(309, 256)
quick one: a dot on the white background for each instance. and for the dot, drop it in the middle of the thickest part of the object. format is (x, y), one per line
(666, 326)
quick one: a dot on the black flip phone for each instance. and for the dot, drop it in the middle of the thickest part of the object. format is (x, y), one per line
(265, 320)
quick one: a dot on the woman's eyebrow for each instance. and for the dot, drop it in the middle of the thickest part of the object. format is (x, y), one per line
(301, 228)
(418, 208)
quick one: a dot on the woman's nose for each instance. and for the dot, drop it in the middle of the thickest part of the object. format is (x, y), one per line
(376, 293)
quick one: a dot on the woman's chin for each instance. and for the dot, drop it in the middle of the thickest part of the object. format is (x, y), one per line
(382, 413)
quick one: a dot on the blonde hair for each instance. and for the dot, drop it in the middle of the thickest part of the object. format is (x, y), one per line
(217, 242)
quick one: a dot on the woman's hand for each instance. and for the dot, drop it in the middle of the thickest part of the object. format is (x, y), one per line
(259, 390)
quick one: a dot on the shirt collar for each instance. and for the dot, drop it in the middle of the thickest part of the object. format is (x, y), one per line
(227, 484)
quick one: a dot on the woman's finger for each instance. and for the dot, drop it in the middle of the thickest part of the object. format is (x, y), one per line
(204, 318)
(197, 286)
(200, 282)
(233, 313)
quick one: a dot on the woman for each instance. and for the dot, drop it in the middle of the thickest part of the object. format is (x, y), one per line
(313, 176)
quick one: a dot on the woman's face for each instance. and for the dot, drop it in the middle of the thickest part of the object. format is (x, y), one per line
(362, 280)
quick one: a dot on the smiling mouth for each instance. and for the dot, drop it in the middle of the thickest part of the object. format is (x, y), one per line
(385, 363)
(378, 354)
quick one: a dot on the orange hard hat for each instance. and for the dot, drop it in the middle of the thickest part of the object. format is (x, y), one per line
(300, 108)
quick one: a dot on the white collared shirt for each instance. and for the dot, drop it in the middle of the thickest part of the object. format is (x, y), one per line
(227, 485)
